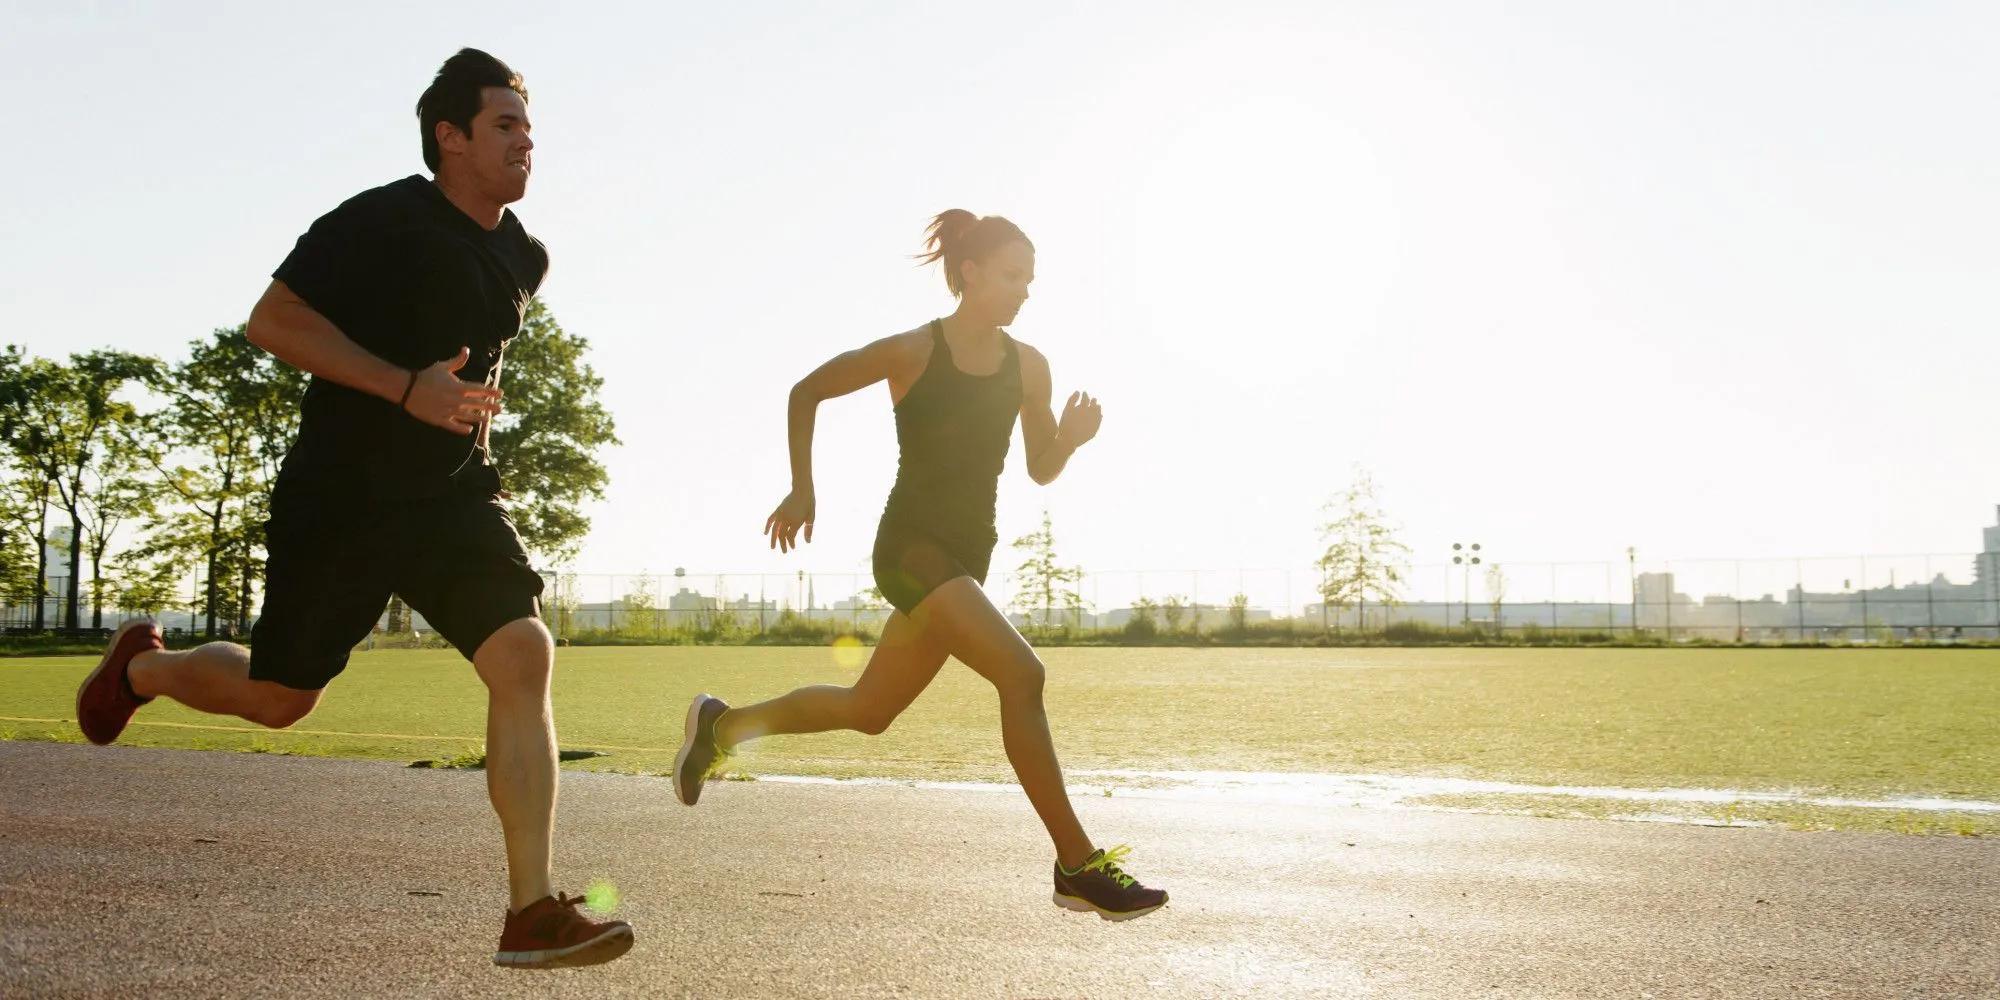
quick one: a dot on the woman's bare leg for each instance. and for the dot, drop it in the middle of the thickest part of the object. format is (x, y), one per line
(898, 670)
(964, 620)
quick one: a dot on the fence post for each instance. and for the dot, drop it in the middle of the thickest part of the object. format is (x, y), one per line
(1864, 598)
(1799, 589)
(1930, 610)
(1632, 585)
(1610, 616)
(1993, 584)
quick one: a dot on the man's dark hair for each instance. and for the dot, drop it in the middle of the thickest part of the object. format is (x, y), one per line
(457, 93)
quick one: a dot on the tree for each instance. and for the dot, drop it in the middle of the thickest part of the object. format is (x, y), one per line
(1172, 610)
(27, 510)
(23, 495)
(20, 558)
(640, 609)
(1041, 581)
(1496, 592)
(66, 413)
(233, 409)
(560, 604)
(1239, 613)
(117, 495)
(546, 439)
(150, 588)
(28, 487)
(1143, 623)
(1363, 557)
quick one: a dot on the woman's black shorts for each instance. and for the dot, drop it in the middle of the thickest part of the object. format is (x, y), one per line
(911, 562)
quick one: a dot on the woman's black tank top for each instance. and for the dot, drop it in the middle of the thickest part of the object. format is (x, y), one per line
(953, 431)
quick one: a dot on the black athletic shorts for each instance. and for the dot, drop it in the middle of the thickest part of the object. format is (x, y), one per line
(911, 562)
(456, 560)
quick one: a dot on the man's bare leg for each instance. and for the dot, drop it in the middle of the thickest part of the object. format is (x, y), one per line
(215, 678)
(516, 663)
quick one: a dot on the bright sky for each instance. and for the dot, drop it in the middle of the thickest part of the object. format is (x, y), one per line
(1696, 278)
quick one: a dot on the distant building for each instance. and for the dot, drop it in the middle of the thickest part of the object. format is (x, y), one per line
(689, 601)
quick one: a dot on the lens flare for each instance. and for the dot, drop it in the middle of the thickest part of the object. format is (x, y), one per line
(849, 652)
(601, 897)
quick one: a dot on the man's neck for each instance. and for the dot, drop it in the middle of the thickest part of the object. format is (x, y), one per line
(482, 210)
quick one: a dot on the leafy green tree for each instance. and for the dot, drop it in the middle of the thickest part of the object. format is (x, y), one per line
(1239, 613)
(546, 439)
(231, 415)
(1144, 622)
(1363, 557)
(66, 414)
(27, 507)
(640, 609)
(27, 489)
(1041, 581)
(150, 587)
(118, 494)
(20, 517)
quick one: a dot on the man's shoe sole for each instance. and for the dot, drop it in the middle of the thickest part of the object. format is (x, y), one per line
(1082, 905)
(596, 951)
(117, 638)
(690, 796)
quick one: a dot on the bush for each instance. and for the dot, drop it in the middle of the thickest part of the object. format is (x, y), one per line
(1141, 627)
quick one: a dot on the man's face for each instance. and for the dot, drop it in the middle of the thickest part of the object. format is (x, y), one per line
(495, 157)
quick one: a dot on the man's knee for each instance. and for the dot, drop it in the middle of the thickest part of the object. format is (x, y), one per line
(519, 657)
(279, 707)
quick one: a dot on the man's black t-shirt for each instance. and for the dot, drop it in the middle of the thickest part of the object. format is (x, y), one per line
(411, 278)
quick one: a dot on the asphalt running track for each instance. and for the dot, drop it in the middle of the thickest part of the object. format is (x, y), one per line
(170, 874)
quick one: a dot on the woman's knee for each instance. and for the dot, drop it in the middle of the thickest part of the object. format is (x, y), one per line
(872, 718)
(1021, 678)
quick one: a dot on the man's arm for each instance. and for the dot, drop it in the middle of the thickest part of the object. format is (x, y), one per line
(298, 335)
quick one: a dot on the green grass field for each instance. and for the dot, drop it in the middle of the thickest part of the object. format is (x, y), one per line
(1852, 723)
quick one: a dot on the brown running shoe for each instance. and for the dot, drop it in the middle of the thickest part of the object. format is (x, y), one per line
(549, 933)
(1100, 887)
(105, 702)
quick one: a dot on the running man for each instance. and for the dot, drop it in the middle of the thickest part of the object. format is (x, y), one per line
(399, 303)
(956, 385)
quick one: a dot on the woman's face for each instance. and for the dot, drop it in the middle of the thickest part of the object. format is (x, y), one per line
(995, 288)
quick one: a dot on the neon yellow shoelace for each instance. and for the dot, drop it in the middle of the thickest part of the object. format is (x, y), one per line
(1107, 862)
(718, 766)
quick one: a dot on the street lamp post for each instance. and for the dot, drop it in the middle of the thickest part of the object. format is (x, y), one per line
(1632, 578)
(1466, 558)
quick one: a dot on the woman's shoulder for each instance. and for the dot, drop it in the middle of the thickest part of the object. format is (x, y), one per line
(911, 345)
(1030, 357)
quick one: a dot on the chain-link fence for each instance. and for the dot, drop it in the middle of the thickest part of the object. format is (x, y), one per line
(1859, 598)
(186, 615)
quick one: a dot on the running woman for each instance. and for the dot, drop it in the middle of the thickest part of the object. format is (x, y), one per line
(956, 384)
(400, 302)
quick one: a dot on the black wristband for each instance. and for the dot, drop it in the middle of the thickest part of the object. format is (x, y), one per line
(404, 403)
